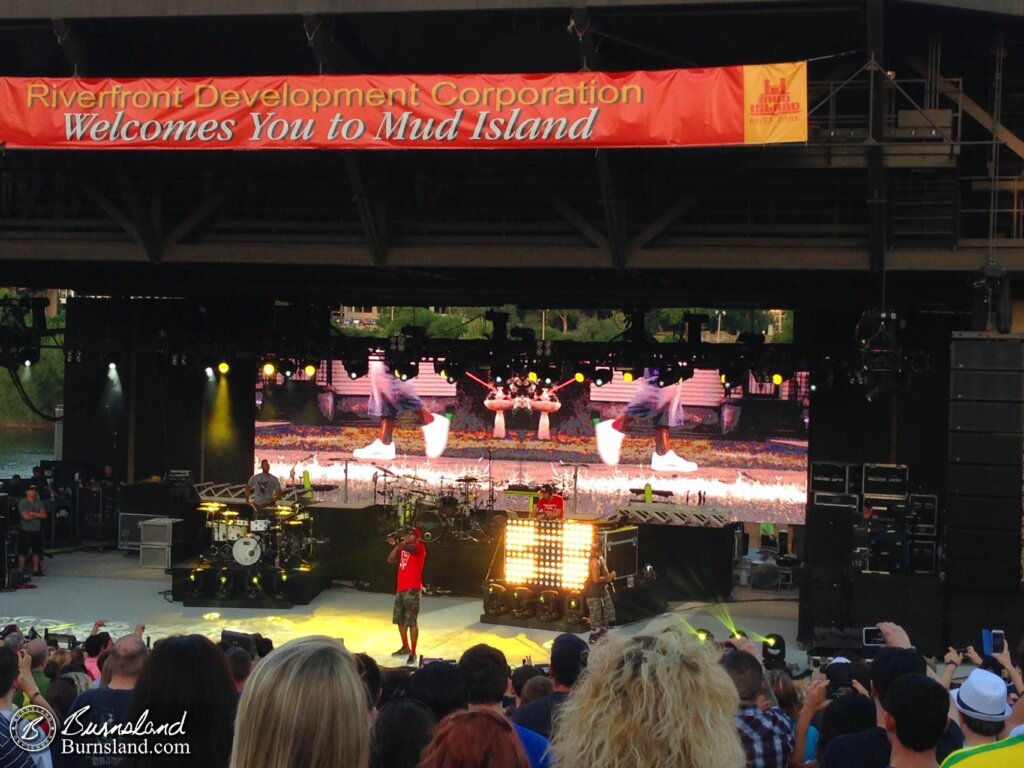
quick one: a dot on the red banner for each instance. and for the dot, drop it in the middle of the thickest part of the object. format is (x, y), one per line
(670, 108)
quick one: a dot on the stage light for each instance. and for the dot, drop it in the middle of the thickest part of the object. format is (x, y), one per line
(777, 379)
(29, 356)
(548, 605)
(495, 599)
(552, 554)
(500, 374)
(111, 359)
(310, 366)
(522, 602)
(773, 652)
(227, 584)
(223, 367)
(704, 635)
(733, 377)
(269, 367)
(356, 367)
(533, 376)
(450, 371)
(574, 608)
(287, 367)
(407, 369)
(280, 591)
(629, 375)
(550, 374)
(602, 376)
(737, 634)
(580, 377)
(209, 372)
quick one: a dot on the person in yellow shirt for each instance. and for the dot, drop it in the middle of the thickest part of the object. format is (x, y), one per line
(981, 707)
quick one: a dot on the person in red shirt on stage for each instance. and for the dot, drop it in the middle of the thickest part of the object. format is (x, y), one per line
(410, 554)
(550, 505)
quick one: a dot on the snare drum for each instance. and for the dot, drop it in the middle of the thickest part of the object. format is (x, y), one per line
(259, 526)
(224, 530)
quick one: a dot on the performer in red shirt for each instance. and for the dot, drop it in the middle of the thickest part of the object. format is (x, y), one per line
(410, 554)
(550, 505)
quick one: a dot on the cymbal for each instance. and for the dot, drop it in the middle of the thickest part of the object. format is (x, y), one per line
(386, 471)
(294, 522)
(230, 513)
(414, 478)
(467, 479)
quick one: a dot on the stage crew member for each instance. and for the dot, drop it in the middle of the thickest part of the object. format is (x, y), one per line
(550, 505)
(410, 554)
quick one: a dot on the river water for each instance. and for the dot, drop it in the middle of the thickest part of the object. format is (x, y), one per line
(21, 450)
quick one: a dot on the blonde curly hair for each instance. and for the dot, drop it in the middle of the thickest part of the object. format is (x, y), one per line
(647, 701)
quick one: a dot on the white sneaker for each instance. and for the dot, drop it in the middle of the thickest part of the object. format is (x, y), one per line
(671, 463)
(609, 442)
(435, 435)
(376, 451)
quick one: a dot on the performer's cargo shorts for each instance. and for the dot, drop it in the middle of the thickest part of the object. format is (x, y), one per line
(407, 608)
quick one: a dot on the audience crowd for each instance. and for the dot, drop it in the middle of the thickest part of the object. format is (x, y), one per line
(664, 699)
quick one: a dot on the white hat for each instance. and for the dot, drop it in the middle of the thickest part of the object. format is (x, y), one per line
(983, 697)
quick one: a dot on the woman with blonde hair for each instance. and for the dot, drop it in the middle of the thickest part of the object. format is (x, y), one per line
(650, 700)
(303, 706)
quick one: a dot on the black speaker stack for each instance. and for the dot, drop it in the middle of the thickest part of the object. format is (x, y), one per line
(984, 480)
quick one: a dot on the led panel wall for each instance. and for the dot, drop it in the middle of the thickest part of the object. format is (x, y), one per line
(548, 553)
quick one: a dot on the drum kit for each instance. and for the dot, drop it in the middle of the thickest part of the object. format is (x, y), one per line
(280, 536)
(451, 513)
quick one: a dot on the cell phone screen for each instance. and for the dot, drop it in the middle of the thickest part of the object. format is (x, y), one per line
(998, 641)
(873, 636)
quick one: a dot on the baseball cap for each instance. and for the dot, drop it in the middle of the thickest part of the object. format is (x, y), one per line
(568, 658)
(32, 488)
(983, 697)
(409, 529)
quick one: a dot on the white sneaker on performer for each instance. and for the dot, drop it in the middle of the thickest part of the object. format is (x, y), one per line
(376, 451)
(670, 462)
(609, 442)
(435, 435)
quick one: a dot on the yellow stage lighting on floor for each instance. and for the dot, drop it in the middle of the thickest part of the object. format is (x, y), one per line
(223, 367)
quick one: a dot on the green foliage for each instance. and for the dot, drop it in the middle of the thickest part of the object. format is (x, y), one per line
(43, 382)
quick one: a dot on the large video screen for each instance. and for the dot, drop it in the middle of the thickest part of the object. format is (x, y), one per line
(486, 437)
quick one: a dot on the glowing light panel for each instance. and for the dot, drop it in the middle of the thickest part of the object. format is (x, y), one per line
(548, 553)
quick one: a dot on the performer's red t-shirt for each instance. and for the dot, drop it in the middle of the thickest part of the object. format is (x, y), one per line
(552, 509)
(410, 568)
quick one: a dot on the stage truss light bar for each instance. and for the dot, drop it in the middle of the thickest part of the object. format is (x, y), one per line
(548, 553)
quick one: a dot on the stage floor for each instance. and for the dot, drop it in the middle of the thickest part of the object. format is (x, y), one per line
(82, 587)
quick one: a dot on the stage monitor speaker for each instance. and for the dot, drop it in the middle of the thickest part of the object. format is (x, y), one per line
(987, 354)
(994, 450)
(1004, 386)
(986, 417)
(987, 513)
(977, 480)
(983, 575)
(830, 536)
(973, 544)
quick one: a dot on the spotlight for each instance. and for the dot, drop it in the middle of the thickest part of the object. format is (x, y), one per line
(494, 599)
(602, 376)
(227, 583)
(500, 374)
(574, 608)
(522, 602)
(356, 367)
(733, 377)
(111, 359)
(29, 356)
(449, 370)
(779, 377)
(286, 367)
(629, 375)
(549, 375)
(704, 635)
(737, 634)
(773, 652)
(548, 605)
(406, 369)
(223, 366)
(269, 367)
(209, 372)
(280, 590)
(310, 366)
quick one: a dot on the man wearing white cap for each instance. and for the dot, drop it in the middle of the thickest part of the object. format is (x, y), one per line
(981, 706)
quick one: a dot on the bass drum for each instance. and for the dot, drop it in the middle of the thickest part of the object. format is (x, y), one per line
(432, 526)
(247, 550)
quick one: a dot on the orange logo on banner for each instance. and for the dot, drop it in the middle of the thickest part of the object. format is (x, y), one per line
(775, 103)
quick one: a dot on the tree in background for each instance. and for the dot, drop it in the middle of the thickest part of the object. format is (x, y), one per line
(43, 382)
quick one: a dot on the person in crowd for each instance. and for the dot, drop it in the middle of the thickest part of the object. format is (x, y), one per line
(852, 713)
(30, 540)
(768, 735)
(40, 655)
(520, 676)
(16, 676)
(205, 697)
(262, 489)
(96, 643)
(785, 692)
(550, 505)
(15, 487)
(569, 656)
(980, 705)
(389, 397)
(262, 645)
(109, 705)
(915, 708)
(441, 686)
(477, 738)
(597, 592)
(659, 404)
(660, 700)
(393, 684)
(304, 705)
(369, 672)
(401, 730)
(536, 688)
(61, 695)
(411, 554)
(240, 664)
(41, 483)
(487, 677)
(871, 748)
